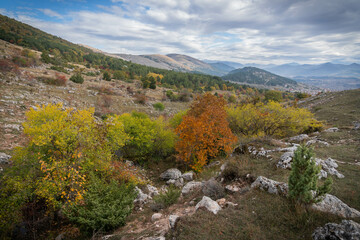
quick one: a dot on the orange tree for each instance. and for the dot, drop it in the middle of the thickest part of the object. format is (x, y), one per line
(204, 132)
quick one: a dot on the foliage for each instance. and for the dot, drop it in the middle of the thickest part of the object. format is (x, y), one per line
(204, 132)
(271, 119)
(177, 119)
(232, 99)
(303, 186)
(77, 78)
(104, 208)
(159, 106)
(106, 76)
(273, 95)
(169, 197)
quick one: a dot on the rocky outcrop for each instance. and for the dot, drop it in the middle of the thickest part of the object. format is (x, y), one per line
(153, 191)
(285, 160)
(4, 158)
(270, 186)
(191, 186)
(189, 176)
(317, 141)
(328, 167)
(332, 204)
(346, 230)
(171, 174)
(333, 129)
(209, 204)
(141, 198)
(299, 138)
(177, 182)
(213, 189)
(173, 219)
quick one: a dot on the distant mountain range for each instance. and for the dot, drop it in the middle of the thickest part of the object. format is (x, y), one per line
(253, 75)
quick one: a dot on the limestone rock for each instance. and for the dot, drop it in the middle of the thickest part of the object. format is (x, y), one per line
(299, 138)
(329, 166)
(189, 176)
(270, 186)
(172, 173)
(152, 190)
(317, 141)
(333, 129)
(191, 186)
(213, 189)
(221, 202)
(156, 217)
(285, 160)
(4, 158)
(332, 204)
(209, 204)
(173, 220)
(346, 230)
(141, 198)
(177, 182)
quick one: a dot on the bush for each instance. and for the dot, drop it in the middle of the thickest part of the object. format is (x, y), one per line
(105, 206)
(140, 98)
(177, 119)
(59, 69)
(106, 76)
(159, 106)
(273, 95)
(168, 198)
(303, 179)
(204, 132)
(77, 78)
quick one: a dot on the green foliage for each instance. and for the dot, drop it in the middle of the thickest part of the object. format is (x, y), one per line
(119, 75)
(232, 99)
(177, 119)
(77, 78)
(152, 84)
(273, 95)
(159, 106)
(271, 119)
(105, 206)
(303, 179)
(169, 197)
(106, 76)
(59, 69)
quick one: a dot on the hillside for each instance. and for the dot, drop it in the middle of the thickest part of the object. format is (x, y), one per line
(254, 75)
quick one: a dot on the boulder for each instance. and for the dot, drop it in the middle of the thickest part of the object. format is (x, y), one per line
(191, 186)
(152, 190)
(177, 182)
(156, 217)
(171, 174)
(317, 141)
(333, 129)
(141, 198)
(213, 189)
(4, 158)
(332, 204)
(209, 204)
(173, 219)
(221, 202)
(329, 166)
(299, 138)
(270, 186)
(285, 160)
(346, 230)
(189, 176)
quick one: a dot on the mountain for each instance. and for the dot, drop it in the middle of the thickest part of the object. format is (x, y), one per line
(253, 75)
(177, 62)
(234, 65)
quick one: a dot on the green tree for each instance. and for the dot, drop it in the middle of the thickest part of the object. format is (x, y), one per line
(77, 78)
(106, 76)
(159, 106)
(273, 95)
(303, 179)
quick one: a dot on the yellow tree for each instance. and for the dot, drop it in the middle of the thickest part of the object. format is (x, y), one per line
(204, 132)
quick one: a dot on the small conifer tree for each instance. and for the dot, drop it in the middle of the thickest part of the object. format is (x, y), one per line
(303, 179)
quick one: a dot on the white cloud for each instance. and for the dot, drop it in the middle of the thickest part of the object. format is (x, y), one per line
(50, 13)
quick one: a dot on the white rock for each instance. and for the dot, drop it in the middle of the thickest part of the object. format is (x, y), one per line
(141, 198)
(152, 190)
(232, 188)
(347, 230)
(156, 217)
(313, 141)
(209, 204)
(332, 204)
(188, 176)
(285, 160)
(173, 220)
(4, 158)
(191, 186)
(333, 129)
(270, 186)
(299, 138)
(172, 173)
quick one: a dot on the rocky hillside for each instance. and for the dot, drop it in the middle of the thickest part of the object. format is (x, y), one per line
(258, 76)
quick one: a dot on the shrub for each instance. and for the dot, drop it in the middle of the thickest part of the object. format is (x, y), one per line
(232, 99)
(303, 179)
(177, 119)
(77, 78)
(273, 95)
(159, 106)
(204, 132)
(140, 98)
(59, 69)
(169, 197)
(106, 76)
(105, 206)
(271, 119)
(119, 75)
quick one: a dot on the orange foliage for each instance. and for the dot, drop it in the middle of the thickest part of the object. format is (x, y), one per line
(204, 132)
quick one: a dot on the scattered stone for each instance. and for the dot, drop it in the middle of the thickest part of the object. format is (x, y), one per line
(333, 129)
(270, 186)
(16, 127)
(347, 230)
(178, 182)
(232, 188)
(191, 186)
(152, 190)
(356, 125)
(141, 198)
(209, 204)
(221, 202)
(155, 238)
(285, 160)
(213, 189)
(172, 173)
(4, 158)
(317, 141)
(299, 138)
(189, 176)
(173, 219)
(230, 204)
(329, 166)
(332, 204)
(156, 217)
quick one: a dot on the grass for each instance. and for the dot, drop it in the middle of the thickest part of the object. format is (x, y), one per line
(259, 215)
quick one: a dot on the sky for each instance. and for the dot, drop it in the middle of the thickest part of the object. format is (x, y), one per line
(244, 31)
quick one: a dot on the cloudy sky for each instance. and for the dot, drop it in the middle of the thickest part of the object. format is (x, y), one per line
(245, 31)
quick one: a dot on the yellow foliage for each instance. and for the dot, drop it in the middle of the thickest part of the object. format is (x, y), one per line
(155, 75)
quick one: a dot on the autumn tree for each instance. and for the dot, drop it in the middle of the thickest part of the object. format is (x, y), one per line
(204, 132)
